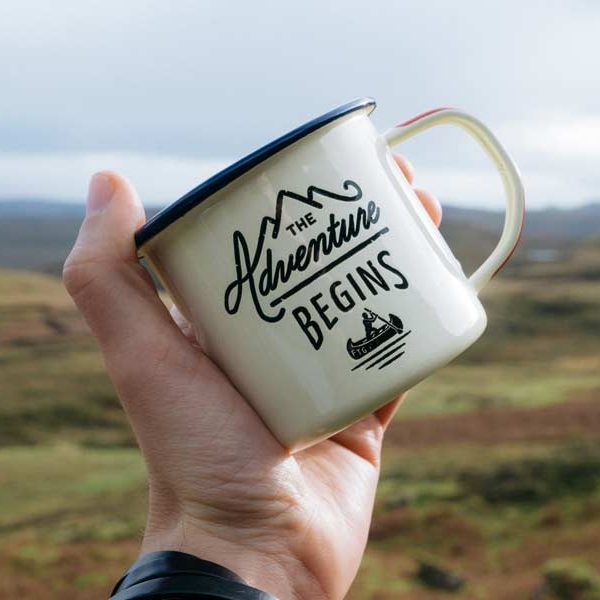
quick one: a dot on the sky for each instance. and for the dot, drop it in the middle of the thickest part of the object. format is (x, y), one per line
(168, 93)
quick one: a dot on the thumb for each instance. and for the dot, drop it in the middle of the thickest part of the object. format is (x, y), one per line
(147, 356)
(111, 289)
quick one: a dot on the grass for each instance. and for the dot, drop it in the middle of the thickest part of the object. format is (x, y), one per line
(458, 508)
(56, 391)
(20, 289)
(68, 493)
(464, 387)
(70, 518)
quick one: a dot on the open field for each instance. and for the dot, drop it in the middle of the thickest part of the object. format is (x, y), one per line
(491, 469)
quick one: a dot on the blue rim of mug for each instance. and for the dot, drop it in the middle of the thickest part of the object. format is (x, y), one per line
(193, 198)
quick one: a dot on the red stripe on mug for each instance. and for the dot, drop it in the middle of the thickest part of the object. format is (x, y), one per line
(422, 115)
(514, 247)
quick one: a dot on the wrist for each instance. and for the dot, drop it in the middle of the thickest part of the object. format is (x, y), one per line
(266, 564)
(171, 574)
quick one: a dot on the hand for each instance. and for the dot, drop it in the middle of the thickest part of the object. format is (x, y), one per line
(221, 487)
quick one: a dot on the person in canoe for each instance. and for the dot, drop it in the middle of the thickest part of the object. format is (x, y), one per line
(374, 336)
(368, 319)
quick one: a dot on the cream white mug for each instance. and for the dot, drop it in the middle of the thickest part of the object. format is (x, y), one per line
(314, 277)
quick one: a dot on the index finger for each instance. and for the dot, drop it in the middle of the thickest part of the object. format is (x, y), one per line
(405, 166)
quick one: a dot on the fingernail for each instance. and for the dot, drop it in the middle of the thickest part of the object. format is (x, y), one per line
(99, 194)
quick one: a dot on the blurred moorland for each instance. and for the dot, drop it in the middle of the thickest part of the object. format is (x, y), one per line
(491, 474)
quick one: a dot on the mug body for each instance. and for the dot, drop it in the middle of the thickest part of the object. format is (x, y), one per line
(318, 283)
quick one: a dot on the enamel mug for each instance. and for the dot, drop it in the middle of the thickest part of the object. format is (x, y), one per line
(314, 277)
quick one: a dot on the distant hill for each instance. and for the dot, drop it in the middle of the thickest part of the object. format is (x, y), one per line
(37, 235)
(549, 234)
(551, 223)
(25, 207)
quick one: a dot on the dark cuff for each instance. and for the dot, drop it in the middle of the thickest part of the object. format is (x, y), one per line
(168, 574)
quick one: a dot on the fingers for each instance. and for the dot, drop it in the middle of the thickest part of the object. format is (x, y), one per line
(431, 204)
(406, 167)
(365, 437)
(184, 325)
(386, 413)
(429, 201)
(110, 287)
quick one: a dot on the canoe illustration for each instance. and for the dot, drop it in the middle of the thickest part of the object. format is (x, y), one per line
(374, 336)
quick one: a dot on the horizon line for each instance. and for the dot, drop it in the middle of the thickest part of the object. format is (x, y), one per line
(73, 203)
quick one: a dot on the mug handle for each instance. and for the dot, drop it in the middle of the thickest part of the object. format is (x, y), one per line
(513, 187)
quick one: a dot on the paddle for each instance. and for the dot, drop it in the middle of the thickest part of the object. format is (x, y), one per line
(398, 331)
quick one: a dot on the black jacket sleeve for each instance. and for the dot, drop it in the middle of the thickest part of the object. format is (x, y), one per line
(175, 575)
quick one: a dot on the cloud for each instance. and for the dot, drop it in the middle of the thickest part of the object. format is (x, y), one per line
(571, 137)
(482, 188)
